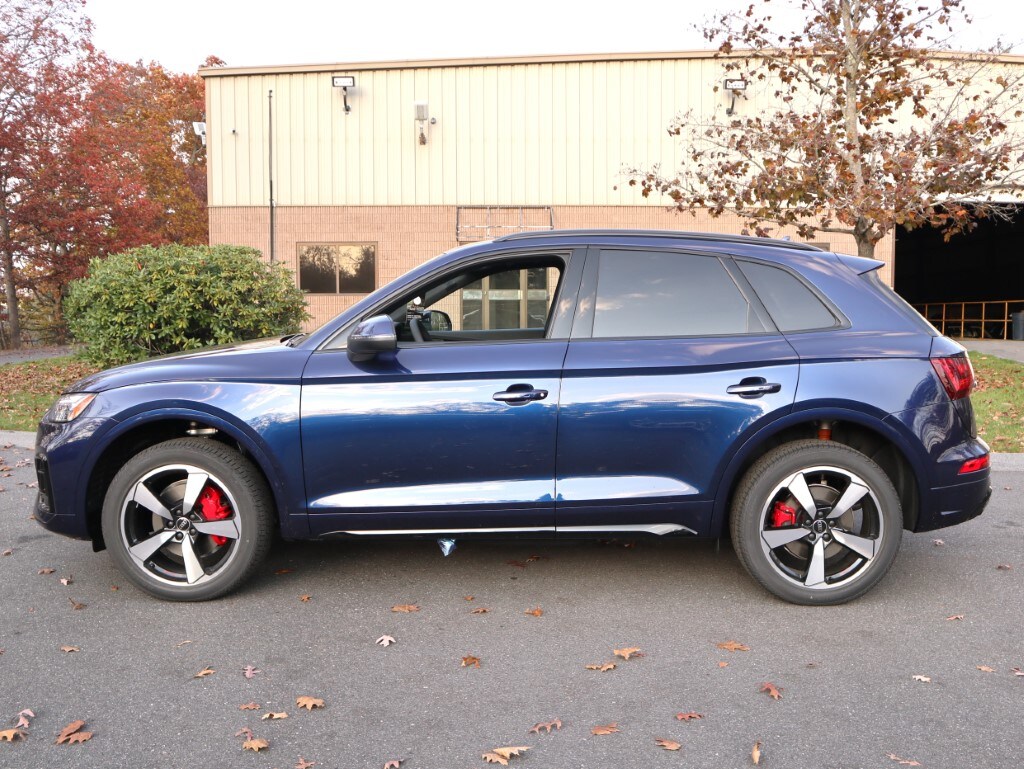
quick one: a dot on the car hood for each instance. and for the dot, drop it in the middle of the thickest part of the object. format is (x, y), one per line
(264, 360)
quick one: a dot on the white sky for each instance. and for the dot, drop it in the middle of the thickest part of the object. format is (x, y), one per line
(181, 34)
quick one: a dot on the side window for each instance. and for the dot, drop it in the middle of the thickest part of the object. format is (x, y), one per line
(792, 305)
(664, 293)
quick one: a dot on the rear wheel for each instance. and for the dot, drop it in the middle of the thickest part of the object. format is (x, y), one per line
(816, 522)
(188, 520)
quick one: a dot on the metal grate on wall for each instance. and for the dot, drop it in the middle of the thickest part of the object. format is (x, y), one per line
(476, 223)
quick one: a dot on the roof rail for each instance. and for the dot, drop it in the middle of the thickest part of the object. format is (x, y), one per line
(678, 234)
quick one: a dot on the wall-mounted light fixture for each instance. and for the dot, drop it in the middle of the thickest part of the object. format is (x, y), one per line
(422, 116)
(344, 82)
(199, 129)
(736, 86)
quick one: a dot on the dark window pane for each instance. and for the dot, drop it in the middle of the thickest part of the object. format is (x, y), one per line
(317, 274)
(792, 305)
(656, 293)
(357, 269)
(505, 280)
(330, 268)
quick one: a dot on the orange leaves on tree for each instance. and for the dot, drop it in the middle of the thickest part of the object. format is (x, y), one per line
(667, 744)
(405, 608)
(72, 733)
(603, 729)
(309, 703)
(502, 755)
(469, 661)
(733, 646)
(547, 726)
(773, 691)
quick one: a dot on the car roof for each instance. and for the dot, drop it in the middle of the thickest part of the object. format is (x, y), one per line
(589, 235)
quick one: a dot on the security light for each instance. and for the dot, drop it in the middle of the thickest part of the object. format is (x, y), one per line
(735, 86)
(344, 82)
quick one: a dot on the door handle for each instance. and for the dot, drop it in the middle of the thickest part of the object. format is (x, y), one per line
(753, 387)
(520, 393)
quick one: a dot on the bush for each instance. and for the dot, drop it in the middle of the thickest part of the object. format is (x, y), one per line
(158, 300)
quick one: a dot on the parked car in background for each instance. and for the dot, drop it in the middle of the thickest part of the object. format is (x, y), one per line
(564, 383)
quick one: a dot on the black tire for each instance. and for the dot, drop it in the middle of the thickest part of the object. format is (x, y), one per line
(145, 508)
(800, 558)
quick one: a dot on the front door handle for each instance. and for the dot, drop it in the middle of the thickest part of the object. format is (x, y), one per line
(753, 387)
(520, 393)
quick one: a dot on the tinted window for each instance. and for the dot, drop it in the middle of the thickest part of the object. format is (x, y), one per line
(659, 293)
(792, 305)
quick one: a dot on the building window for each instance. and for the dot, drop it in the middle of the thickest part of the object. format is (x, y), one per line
(337, 268)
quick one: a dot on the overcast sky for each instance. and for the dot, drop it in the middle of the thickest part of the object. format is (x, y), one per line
(181, 34)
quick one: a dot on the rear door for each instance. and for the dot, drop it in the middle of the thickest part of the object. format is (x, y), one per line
(672, 359)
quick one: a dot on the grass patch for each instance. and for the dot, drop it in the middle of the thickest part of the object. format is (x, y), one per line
(999, 401)
(27, 390)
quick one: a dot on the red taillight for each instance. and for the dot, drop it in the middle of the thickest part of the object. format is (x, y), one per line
(974, 465)
(956, 375)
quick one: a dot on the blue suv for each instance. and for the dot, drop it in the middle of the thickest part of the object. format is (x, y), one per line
(567, 383)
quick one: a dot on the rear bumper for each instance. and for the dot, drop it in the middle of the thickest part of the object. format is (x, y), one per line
(950, 505)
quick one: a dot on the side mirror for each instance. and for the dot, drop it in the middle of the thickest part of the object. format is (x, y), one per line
(435, 320)
(372, 336)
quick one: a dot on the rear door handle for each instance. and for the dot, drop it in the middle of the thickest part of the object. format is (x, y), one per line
(753, 387)
(520, 393)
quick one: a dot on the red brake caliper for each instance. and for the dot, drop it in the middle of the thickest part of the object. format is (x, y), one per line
(213, 507)
(783, 515)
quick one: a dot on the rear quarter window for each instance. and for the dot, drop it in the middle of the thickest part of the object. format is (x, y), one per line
(792, 304)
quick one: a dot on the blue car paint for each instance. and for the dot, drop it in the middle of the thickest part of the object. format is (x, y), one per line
(644, 430)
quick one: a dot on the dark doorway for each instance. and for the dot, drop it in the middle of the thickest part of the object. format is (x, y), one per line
(968, 280)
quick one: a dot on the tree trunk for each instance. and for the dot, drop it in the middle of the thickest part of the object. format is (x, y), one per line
(12, 299)
(865, 248)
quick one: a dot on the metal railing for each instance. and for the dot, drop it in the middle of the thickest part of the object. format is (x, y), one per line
(973, 320)
(475, 223)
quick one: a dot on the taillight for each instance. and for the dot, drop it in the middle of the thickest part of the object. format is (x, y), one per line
(974, 465)
(956, 375)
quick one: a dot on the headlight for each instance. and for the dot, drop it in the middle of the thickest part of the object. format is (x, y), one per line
(69, 407)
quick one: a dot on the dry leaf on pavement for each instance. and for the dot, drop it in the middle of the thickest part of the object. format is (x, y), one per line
(207, 671)
(46, 570)
(23, 718)
(546, 726)
(305, 598)
(304, 764)
(309, 703)
(773, 691)
(255, 745)
(733, 646)
(394, 763)
(76, 605)
(755, 754)
(902, 761)
(923, 679)
(273, 716)
(985, 669)
(405, 608)
(69, 732)
(68, 580)
(631, 651)
(955, 616)
(604, 667)
(536, 612)
(480, 610)
(502, 755)
(385, 641)
(10, 735)
(688, 716)
(470, 661)
(602, 729)
(249, 706)
(667, 744)
(250, 672)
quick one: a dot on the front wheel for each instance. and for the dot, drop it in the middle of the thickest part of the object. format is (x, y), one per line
(816, 522)
(188, 520)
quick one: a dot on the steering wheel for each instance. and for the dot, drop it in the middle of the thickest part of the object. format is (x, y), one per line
(418, 331)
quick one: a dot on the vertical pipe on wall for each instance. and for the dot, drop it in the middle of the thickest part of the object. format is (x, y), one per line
(270, 162)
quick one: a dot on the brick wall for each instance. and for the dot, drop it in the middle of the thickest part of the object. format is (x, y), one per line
(407, 236)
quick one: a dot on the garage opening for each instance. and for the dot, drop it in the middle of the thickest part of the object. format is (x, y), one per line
(971, 286)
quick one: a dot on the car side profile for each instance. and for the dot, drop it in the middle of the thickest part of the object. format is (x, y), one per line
(573, 383)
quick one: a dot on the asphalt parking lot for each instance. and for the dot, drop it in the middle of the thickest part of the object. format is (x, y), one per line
(846, 675)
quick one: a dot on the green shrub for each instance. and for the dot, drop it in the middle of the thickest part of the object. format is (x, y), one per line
(157, 300)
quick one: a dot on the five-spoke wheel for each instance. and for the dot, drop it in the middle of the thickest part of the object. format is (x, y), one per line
(187, 519)
(816, 522)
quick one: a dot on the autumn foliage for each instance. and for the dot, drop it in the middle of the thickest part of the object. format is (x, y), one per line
(864, 120)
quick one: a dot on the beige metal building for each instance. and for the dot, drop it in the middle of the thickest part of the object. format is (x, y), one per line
(374, 168)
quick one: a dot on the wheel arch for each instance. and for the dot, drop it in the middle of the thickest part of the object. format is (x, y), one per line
(871, 436)
(150, 428)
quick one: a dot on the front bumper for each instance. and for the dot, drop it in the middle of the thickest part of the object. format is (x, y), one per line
(59, 453)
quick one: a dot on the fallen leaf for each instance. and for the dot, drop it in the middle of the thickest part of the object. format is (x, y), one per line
(245, 731)
(405, 608)
(1017, 671)
(470, 661)
(812, 665)
(901, 761)
(46, 570)
(249, 706)
(985, 669)
(255, 745)
(309, 703)
(938, 542)
(534, 612)
(179, 645)
(305, 598)
(605, 729)
(76, 605)
(10, 735)
(283, 571)
(304, 764)
(773, 691)
(205, 672)
(480, 610)
(604, 667)
(394, 763)
(273, 716)
(68, 730)
(502, 755)
(533, 558)
(114, 588)
(667, 744)
(723, 664)
(923, 679)
(632, 651)
(755, 754)
(733, 646)
(691, 716)
(65, 581)
(546, 726)
(23, 718)
(8, 551)
(955, 616)
(385, 640)
(250, 672)
(1004, 567)
(69, 649)
(468, 597)
(79, 737)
